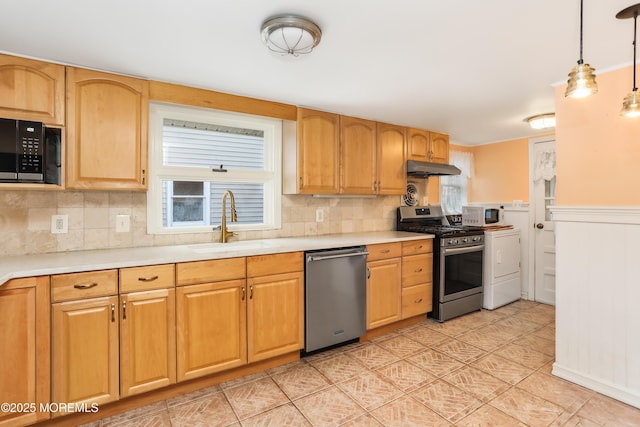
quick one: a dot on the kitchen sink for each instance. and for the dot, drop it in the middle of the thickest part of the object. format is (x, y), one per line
(245, 245)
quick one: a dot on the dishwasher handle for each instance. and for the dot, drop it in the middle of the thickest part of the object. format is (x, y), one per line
(311, 258)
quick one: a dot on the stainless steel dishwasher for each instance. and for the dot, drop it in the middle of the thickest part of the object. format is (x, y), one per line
(335, 296)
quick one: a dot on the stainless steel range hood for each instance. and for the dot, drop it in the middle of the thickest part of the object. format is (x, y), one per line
(427, 169)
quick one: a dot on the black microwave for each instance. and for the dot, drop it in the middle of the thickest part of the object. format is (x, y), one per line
(30, 152)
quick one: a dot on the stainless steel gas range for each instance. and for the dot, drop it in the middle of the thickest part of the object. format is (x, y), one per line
(457, 260)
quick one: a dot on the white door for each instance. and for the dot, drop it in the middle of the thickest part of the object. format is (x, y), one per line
(544, 194)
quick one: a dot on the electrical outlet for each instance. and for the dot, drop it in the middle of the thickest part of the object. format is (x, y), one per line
(319, 215)
(123, 223)
(59, 224)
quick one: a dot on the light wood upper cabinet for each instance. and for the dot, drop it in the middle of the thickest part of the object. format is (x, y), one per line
(24, 348)
(107, 119)
(318, 146)
(32, 90)
(358, 156)
(85, 351)
(392, 170)
(427, 146)
(439, 147)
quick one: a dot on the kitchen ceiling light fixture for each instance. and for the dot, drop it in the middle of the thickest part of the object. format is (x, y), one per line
(290, 34)
(542, 121)
(582, 80)
(630, 106)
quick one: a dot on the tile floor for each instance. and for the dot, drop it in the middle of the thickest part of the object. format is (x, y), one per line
(488, 368)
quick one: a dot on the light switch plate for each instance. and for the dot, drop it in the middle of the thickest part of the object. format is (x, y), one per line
(319, 215)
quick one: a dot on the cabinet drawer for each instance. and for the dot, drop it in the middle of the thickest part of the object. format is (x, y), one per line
(72, 286)
(383, 251)
(147, 278)
(416, 300)
(417, 269)
(264, 265)
(215, 270)
(413, 247)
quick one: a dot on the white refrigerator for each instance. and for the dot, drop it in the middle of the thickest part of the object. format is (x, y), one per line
(501, 273)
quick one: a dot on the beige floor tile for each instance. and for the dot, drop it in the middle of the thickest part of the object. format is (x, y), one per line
(339, 367)
(480, 384)
(449, 328)
(609, 412)
(435, 362)
(254, 397)
(425, 335)
(406, 376)
(483, 340)
(523, 355)
(537, 343)
(370, 390)
(373, 356)
(547, 368)
(212, 410)
(243, 380)
(365, 420)
(300, 381)
(527, 408)
(408, 412)
(127, 417)
(282, 416)
(504, 369)
(563, 393)
(401, 346)
(488, 416)
(547, 332)
(519, 324)
(460, 350)
(329, 407)
(450, 402)
(194, 395)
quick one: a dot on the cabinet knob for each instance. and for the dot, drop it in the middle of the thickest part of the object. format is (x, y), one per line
(539, 226)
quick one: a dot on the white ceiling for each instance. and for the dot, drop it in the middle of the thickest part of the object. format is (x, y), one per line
(472, 69)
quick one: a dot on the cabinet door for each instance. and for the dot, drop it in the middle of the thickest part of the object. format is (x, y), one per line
(106, 131)
(275, 315)
(438, 147)
(318, 152)
(147, 341)
(211, 324)
(85, 351)
(383, 292)
(24, 347)
(357, 156)
(418, 145)
(392, 171)
(31, 90)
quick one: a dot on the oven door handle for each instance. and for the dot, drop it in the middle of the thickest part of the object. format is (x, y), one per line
(466, 250)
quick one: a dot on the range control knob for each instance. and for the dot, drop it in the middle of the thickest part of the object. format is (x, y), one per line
(465, 240)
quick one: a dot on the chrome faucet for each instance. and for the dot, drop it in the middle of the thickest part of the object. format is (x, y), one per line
(224, 234)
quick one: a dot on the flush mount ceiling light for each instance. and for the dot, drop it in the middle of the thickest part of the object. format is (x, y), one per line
(542, 121)
(582, 80)
(630, 107)
(290, 35)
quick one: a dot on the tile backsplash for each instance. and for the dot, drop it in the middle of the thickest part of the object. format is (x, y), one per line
(25, 220)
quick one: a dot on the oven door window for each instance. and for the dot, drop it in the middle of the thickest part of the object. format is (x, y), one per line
(462, 273)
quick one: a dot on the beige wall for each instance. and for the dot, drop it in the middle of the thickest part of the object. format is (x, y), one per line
(598, 151)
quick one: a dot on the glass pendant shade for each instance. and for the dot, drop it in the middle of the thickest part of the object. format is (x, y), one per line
(630, 106)
(290, 35)
(582, 81)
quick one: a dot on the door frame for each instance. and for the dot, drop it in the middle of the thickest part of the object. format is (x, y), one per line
(531, 288)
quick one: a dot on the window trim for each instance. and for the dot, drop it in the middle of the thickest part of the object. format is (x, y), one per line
(271, 176)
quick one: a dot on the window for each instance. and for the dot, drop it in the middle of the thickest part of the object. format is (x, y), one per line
(453, 189)
(197, 154)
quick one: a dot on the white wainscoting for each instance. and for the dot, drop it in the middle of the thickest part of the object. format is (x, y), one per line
(598, 299)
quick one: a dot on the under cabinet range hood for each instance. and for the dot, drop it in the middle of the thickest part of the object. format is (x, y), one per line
(427, 169)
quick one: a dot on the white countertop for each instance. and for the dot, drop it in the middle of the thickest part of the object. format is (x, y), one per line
(77, 261)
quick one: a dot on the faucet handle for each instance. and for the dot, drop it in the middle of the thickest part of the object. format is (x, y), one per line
(217, 227)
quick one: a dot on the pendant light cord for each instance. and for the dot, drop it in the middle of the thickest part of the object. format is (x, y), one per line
(635, 32)
(580, 61)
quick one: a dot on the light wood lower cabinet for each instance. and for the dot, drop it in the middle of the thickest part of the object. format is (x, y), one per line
(147, 341)
(417, 277)
(24, 348)
(383, 284)
(85, 351)
(211, 327)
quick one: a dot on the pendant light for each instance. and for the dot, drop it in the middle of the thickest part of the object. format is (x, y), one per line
(582, 80)
(630, 106)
